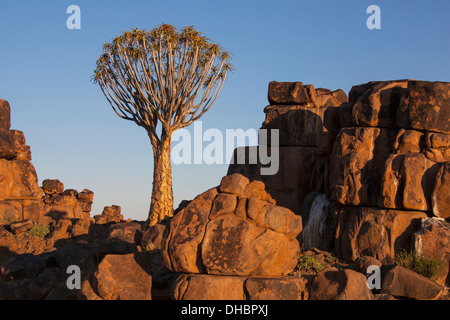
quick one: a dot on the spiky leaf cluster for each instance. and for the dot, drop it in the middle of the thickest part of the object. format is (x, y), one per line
(163, 75)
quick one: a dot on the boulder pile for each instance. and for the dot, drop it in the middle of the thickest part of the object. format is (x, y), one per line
(228, 231)
(358, 208)
(20, 195)
(370, 173)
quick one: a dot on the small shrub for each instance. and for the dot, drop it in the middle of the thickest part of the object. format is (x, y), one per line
(308, 263)
(423, 265)
(39, 231)
(331, 259)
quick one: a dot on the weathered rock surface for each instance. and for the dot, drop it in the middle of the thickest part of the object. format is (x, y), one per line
(52, 186)
(364, 175)
(121, 277)
(393, 144)
(215, 287)
(109, 214)
(288, 93)
(433, 241)
(401, 282)
(379, 233)
(307, 122)
(229, 233)
(440, 199)
(334, 284)
(5, 115)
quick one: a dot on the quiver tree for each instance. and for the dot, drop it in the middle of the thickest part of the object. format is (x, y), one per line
(163, 80)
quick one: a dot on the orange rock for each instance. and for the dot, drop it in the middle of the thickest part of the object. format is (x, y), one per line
(5, 115)
(379, 233)
(218, 233)
(215, 287)
(208, 287)
(334, 284)
(123, 277)
(288, 93)
(440, 197)
(282, 288)
(234, 184)
(52, 186)
(375, 104)
(425, 106)
(433, 240)
(402, 282)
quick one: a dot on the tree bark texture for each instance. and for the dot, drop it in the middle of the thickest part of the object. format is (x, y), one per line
(162, 194)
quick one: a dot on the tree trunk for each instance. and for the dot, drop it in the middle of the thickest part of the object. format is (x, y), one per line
(162, 194)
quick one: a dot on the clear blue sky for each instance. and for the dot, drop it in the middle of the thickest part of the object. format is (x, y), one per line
(76, 137)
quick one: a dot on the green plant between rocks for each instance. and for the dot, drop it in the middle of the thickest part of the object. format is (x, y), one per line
(39, 231)
(419, 263)
(308, 264)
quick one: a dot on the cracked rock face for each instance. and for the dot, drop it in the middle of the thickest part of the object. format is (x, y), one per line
(235, 229)
(393, 148)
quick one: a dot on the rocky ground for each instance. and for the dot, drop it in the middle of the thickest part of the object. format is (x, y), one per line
(360, 198)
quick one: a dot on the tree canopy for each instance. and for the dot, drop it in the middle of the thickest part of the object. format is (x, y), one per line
(163, 74)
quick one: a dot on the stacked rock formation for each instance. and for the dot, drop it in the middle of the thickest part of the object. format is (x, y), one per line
(370, 175)
(389, 165)
(21, 198)
(299, 113)
(109, 214)
(20, 195)
(232, 230)
(60, 203)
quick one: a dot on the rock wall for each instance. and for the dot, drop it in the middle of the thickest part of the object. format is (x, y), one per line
(299, 112)
(394, 141)
(21, 197)
(389, 165)
(367, 170)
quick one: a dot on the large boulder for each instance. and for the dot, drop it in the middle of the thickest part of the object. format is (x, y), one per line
(408, 182)
(109, 214)
(288, 93)
(440, 200)
(334, 284)
(407, 104)
(7, 145)
(375, 104)
(232, 230)
(208, 287)
(298, 125)
(5, 115)
(357, 164)
(52, 186)
(425, 106)
(18, 180)
(401, 282)
(215, 287)
(120, 277)
(379, 233)
(432, 240)
(394, 136)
